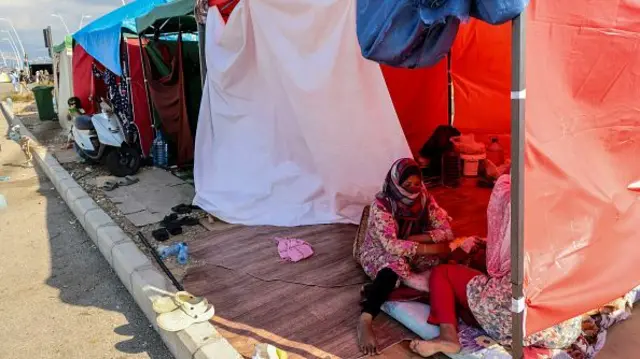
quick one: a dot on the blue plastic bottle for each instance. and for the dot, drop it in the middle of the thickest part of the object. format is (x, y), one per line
(167, 251)
(183, 254)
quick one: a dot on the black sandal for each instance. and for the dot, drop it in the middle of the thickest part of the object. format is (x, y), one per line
(182, 209)
(160, 235)
(174, 229)
(189, 221)
(169, 219)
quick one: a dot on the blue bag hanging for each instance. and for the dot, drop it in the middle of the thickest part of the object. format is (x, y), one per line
(408, 33)
(497, 12)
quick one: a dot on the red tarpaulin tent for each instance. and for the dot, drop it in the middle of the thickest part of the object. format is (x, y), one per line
(582, 133)
(573, 150)
(85, 88)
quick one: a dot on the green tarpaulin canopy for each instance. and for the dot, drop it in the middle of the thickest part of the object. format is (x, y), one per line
(66, 44)
(171, 17)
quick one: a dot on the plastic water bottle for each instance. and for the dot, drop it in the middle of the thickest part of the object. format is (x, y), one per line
(160, 151)
(495, 152)
(167, 251)
(183, 254)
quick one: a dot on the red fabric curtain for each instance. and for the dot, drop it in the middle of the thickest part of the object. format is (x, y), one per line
(139, 101)
(583, 140)
(83, 84)
(481, 70)
(420, 99)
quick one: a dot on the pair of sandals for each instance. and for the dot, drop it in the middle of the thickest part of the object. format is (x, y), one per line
(172, 226)
(181, 310)
(126, 181)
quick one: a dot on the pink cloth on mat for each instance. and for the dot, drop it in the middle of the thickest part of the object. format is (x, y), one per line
(294, 250)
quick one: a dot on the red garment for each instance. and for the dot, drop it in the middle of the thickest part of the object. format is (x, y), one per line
(449, 282)
(225, 7)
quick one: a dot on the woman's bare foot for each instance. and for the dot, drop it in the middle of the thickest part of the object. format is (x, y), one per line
(447, 343)
(366, 337)
(427, 348)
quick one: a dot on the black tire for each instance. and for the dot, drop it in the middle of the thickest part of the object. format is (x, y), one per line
(123, 161)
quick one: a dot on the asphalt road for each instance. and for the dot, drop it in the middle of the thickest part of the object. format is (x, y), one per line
(58, 296)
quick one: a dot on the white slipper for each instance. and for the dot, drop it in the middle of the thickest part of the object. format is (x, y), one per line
(180, 319)
(169, 304)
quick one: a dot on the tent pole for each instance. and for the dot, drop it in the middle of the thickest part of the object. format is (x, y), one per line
(201, 49)
(146, 84)
(450, 102)
(518, 96)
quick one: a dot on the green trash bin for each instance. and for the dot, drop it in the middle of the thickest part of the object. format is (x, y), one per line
(44, 102)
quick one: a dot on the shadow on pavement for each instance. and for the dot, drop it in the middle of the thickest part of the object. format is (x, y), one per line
(78, 270)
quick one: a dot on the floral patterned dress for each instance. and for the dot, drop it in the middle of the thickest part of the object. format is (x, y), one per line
(382, 248)
(490, 302)
(489, 296)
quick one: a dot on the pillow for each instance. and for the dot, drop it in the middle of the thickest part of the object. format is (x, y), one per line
(362, 231)
(412, 315)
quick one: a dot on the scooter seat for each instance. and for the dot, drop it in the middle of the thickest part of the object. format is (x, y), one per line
(84, 123)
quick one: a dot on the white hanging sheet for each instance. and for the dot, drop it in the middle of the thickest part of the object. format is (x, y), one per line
(65, 87)
(296, 127)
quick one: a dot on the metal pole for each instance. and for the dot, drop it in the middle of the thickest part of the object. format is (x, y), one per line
(55, 65)
(14, 45)
(15, 53)
(451, 102)
(16, 33)
(201, 51)
(518, 96)
(64, 23)
(160, 262)
(145, 75)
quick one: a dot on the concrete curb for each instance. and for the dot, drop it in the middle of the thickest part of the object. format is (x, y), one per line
(135, 270)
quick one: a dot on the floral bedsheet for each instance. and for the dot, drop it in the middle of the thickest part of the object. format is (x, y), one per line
(476, 344)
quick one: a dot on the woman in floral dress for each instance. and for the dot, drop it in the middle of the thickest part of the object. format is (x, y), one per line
(407, 233)
(488, 297)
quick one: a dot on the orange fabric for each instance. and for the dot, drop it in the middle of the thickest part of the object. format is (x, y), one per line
(420, 99)
(583, 141)
(481, 70)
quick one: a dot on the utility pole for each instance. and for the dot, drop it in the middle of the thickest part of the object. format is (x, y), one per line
(48, 43)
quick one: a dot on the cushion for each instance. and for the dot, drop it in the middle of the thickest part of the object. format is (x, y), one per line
(362, 231)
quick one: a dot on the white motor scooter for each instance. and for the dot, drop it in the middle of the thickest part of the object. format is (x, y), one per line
(102, 137)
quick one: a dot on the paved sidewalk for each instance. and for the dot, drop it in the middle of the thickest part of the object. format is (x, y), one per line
(58, 296)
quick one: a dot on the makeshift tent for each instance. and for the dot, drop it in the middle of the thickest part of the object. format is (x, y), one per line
(295, 128)
(84, 86)
(102, 37)
(138, 94)
(63, 55)
(172, 70)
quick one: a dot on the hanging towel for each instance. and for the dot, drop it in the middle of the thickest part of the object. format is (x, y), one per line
(293, 250)
(408, 33)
